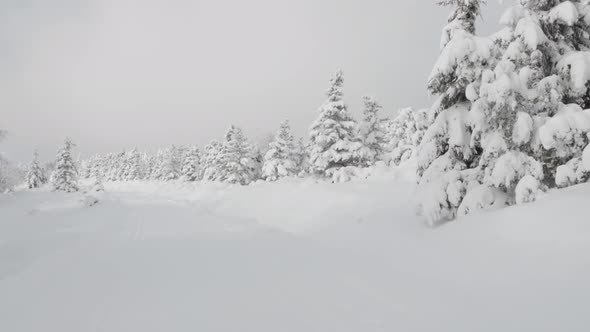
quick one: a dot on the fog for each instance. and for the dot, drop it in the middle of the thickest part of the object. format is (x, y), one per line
(115, 74)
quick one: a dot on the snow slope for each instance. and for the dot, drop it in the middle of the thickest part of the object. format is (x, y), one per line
(288, 256)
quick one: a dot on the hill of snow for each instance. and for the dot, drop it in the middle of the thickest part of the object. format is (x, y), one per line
(288, 256)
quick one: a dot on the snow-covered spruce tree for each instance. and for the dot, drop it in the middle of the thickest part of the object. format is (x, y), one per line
(565, 134)
(167, 168)
(257, 159)
(463, 55)
(180, 153)
(7, 180)
(150, 162)
(528, 112)
(525, 126)
(462, 18)
(238, 160)
(92, 166)
(212, 161)
(106, 168)
(133, 167)
(404, 134)
(332, 140)
(10, 174)
(85, 168)
(65, 176)
(446, 155)
(48, 169)
(96, 166)
(35, 175)
(113, 165)
(121, 166)
(302, 157)
(191, 168)
(281, 159)
(371, 133)
(98, 186)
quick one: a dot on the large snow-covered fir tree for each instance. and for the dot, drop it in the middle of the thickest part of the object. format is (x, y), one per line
(35, 174)
(65, 175)
(510, 120)
(371, 133)
(446, 151)
(281, 159)
(333, 143)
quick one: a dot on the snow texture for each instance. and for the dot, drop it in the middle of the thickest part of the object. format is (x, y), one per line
(163, 256)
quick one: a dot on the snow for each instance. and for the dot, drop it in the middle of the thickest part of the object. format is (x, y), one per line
(287, 256)
(571, 173)
(482, 197)
(462, 46)
(528, 189)
(531, 32)
(563, 129)
(512, 16)
(510, 168)
(577, 65)
(566, 13)
(294, 255)
(523, 129)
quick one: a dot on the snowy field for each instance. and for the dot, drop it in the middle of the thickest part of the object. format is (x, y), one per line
(288, 256)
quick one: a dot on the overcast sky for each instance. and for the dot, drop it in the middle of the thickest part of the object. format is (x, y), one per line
(114, 74)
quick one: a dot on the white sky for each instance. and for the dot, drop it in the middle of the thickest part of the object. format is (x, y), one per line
(113, 74)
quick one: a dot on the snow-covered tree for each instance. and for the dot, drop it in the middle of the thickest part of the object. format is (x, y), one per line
(301, 150)
(445, 151)
(281, 159)
(332, 141)
(238, 160)
(511, 122)
(404, 134)
(35, 175)
(65, 176)
(371, 133)
(463, 17)
(119, 166)
(191, 168)
(133, 166)
(5, 180)
(167, 165)
(48, 169)
(257, 161)
(98, 186)
(527, 104)
(463, 55)
(212, 161)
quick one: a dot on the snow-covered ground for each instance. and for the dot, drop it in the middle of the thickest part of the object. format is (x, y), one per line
(290, 256)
